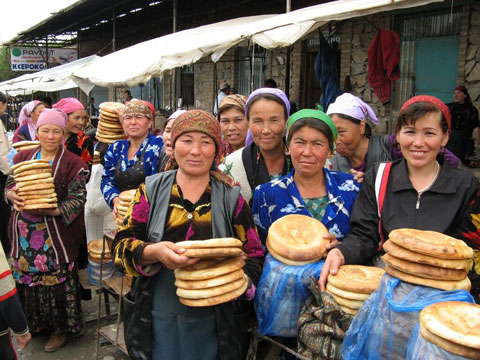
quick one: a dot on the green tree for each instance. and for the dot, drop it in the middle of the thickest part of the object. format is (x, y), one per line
(5, 69)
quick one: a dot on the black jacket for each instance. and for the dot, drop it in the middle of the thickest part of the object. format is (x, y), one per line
(439, 209)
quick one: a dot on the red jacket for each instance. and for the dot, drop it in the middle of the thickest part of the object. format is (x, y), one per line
(383, 60)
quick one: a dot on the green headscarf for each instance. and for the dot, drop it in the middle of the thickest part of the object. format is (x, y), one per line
(315, 114)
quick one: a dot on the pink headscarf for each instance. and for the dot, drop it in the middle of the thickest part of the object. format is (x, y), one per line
(353, 106)
(54, 117)
(25, 116)
(68, 105)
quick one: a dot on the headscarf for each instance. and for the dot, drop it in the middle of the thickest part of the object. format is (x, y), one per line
(204, 122)
(432, 100)
(137, 108)
(68, 105)
(176, 114)
(315, 114)
(275, 92)
(54, 117)
(348, 104)
(150, 105)
(25, 117)
(236, 100)
(462, 89)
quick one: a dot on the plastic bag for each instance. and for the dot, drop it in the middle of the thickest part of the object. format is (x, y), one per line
(419, 348)
(280, 295)
(383, 325)
(96, 203)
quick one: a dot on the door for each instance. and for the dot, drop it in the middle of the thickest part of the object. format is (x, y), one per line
(436, 63)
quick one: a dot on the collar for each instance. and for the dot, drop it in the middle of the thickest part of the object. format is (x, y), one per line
(445, 183)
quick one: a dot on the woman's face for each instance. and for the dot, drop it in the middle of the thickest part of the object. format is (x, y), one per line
(420, 144)
(136, 126)
(76, 122)
(234, 127)
(36, 113)
(459, 97)
(3, 108)
(309, 150)
(349, 136)
(194, 152)
(267, 124)
(50, 137)
(167, 135)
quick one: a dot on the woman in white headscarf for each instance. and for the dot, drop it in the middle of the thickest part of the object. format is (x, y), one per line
(26, 121)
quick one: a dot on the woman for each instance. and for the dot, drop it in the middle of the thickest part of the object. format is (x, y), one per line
(309, 189)
(266, 158)
(128, 162)
(423, 191)
(45, 243)
(75, 140)
(464, 122)
(233, 123)
(4, 171)
(167, 150)
(26, 121)
(195, 202)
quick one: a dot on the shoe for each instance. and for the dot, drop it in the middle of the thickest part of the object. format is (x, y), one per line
(56, 342)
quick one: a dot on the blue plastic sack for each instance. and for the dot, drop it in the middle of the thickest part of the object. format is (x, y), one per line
(281, 293)
(419, 348)
(382, 327)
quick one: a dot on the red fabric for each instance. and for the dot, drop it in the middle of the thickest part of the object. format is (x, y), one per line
(381, 198)
(432, 100)
(8, 295)
(383, 60)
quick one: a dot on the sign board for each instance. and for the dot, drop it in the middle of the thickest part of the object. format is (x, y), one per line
(315, 41)
(33, 58)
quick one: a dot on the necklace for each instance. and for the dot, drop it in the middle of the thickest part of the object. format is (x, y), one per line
(431, 183)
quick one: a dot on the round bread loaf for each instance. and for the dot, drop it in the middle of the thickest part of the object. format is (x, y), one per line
(22, 192)
(209, 253)
(21, 144)
(352, 304)
(124, 209)
(405, 254)
(357, 278)
(210, 243)
(215, 300)
(204, 284)
(124, 204)
(298, 238)
(438, 284)
(34, 182)
(348, 310)
(431, 243)
(449, 345)
(22, 178)
(34, 172)
(346, 294)
(96, 246)
(111, 106)
(127, 195)
(40, 200)
(27, 167)
(105, 140)
(40, 206)
(111, 124)
(110, 136)
(29, 162)
(455, 321)
(211, 292)
(207, 269)
(288, 261)
(51, 195)
(422, 270)
(105, 115)
(35, 187)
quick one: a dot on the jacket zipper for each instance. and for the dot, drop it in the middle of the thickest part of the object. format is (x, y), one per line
(417, 206)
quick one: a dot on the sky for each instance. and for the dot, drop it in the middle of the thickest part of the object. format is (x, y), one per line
(19, 16)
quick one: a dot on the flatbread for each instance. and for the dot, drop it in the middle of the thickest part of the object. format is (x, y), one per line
(111, 123)
(449, 345)
(204, 284)
(110, 136)
(422, 270)
(40, 200)
(35, 195)
(431, 243)
(122, 208)
(22, 178)
(39, 206)
(125, 204)
(346, 294)
(207, 269)
(438, 284)
(352, 304)
(40, 192)
(455, 321)
(111, 106)
(298, 237)
(106, 130)
(210, 243)
(405, 254)
(34, 172)
(95, 247)
(31, 167)
(29, 162)
(119, 222)
(211, 292)
(21, 144)
(28, 147)
(348, 310)
(288, 261)
(357, 278)
(106, 141)
(209, 253)
(35, 182)
(40, 186)
(215, 300)
(127, 195)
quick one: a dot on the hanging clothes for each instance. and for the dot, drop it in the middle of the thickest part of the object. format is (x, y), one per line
(326, 73)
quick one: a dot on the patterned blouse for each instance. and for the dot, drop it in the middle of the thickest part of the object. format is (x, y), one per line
(117, 154)
(185, 221)
(281, 197)
(81, 145)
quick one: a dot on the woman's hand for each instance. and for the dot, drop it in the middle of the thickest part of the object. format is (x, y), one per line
(334, 260)
(14, 199)
(23, 340)
(333, 242)
(115, 204)
(357, 175)
(168, 253)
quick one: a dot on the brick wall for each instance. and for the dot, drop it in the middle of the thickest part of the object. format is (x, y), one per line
(469, 74)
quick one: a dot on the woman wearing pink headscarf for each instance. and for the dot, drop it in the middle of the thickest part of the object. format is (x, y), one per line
(26, 121)
(75, 140)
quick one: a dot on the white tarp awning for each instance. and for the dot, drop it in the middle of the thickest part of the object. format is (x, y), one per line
(54, 79)
(139, 63)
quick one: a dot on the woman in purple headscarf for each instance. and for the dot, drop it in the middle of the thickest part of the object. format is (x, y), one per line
(26, 121)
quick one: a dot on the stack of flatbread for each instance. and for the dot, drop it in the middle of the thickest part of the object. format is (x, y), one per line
(210, 282)
(25, 145)
(454, 326)
(212, 248)
(352, 285)
(428, 258)
(34, 182)
(96, 157)
(95, 248)
(109, 128)
(124, 200)
(297, 240)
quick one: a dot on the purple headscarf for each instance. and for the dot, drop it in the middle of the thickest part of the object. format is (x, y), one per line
(25, 116)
